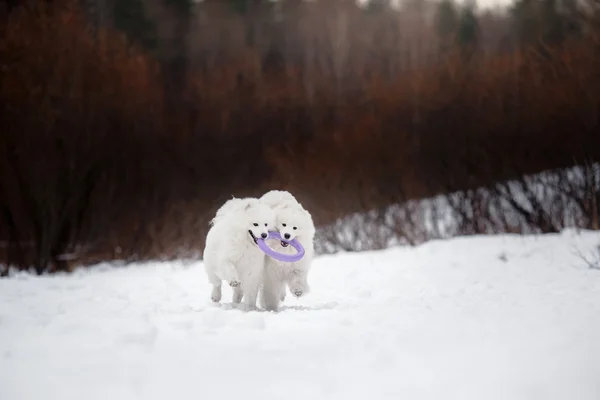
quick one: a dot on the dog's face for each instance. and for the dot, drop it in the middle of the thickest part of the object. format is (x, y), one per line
(260, 219)
(292, 223)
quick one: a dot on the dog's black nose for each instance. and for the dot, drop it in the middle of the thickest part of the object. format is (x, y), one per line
(287, 236)
(263, 235)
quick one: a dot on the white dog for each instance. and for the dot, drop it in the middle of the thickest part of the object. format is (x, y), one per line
(231, 252)
(293, 222)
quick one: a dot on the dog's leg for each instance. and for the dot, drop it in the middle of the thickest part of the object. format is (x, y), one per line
(298, 282)
(232, 274)
(271, 294)
(216, 294)
(272, 286)
(250, 289)
(238, 294)
(215, 281)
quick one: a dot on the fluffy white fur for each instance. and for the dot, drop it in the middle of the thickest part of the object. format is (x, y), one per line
(279, 198)
(231, 253)
(231, 205)
(293, 222)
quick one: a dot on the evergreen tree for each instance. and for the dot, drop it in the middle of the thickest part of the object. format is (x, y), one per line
(176, 62)
(129, 17)
(572, 21)
(547, 21)
(525, 21)
(468, 29)
(550, 22)
(183, 7)
(378, 5)
(446, 19)
(246, 7)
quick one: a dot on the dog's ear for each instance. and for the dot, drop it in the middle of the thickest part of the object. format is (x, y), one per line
(247, 207)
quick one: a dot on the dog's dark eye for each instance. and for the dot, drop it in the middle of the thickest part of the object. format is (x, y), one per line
(266, 224)
(255, 224)
(283, 224)
(295, 228)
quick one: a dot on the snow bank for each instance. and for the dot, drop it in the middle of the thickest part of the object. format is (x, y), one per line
(502, 317)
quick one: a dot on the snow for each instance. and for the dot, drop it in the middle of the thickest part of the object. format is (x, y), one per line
(496, 317)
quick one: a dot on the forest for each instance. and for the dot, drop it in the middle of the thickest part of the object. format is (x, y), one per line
(126, 123)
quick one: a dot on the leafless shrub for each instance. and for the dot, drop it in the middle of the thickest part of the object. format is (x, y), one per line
(546, 202)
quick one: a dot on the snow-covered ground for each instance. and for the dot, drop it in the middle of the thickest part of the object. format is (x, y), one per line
(502, 317)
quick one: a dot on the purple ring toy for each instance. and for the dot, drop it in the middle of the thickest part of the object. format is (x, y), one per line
(280, 256)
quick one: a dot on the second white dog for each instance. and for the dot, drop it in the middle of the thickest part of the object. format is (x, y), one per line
(293, 222)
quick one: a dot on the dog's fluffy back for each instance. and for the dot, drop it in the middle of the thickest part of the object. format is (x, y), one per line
(231, 206)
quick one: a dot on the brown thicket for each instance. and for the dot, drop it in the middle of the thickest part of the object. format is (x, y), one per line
(95, 166)
(91, 165)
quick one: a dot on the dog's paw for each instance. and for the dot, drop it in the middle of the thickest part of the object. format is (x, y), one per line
(234, 283)
(247, 307)
(215, 296)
